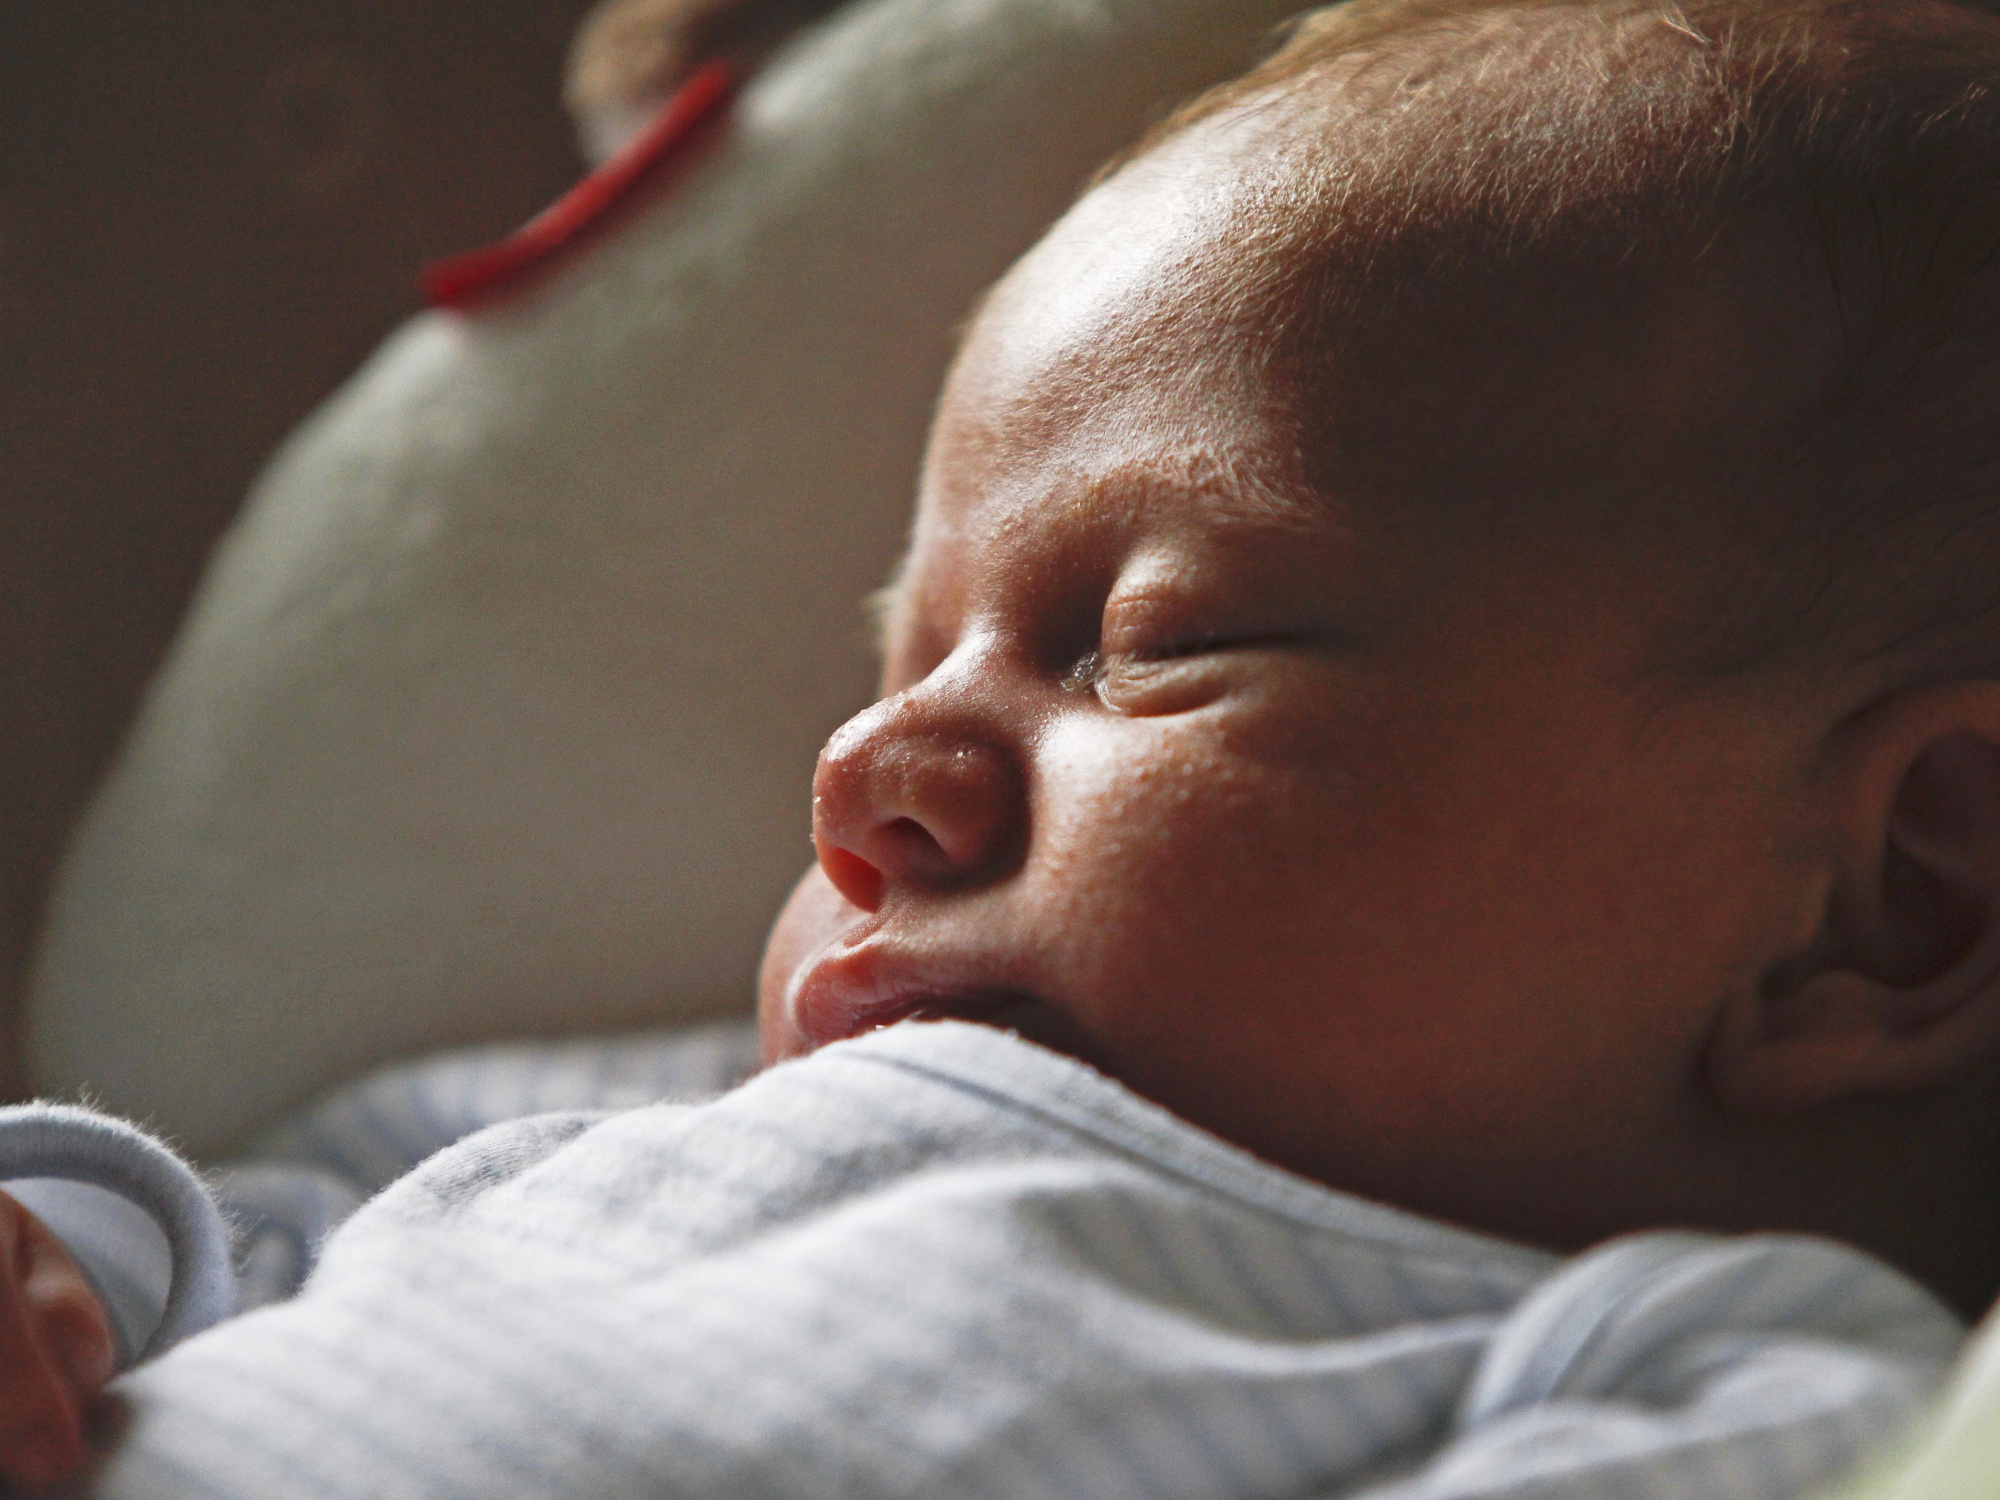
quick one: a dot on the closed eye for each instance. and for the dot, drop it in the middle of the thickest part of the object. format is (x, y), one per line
(1171, 678)
(1205, 644)
(1089, 669)
(1197, 645)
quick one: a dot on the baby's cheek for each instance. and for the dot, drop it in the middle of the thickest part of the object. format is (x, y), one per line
(1180, 866)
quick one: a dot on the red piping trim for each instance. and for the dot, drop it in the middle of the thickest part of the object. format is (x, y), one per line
(491, 271)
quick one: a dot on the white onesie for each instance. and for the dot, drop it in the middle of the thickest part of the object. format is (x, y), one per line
(940, 1261)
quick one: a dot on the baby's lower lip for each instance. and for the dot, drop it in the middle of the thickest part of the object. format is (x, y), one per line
(822, 1024)
(849, 991)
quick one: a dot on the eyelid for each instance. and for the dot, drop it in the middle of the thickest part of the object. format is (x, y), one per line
(1158, 660)
(1163, 626)
(1167, 682)
(1138, 623)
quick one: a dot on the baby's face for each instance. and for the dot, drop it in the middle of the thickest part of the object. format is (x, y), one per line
(1270, 779)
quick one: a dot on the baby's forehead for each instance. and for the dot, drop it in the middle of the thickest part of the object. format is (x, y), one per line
(1162, 342)
(1075, 516)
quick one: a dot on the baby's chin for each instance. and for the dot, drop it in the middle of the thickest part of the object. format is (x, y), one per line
(1038, 1021)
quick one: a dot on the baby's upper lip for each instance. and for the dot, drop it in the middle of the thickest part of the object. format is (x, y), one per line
(851, 987)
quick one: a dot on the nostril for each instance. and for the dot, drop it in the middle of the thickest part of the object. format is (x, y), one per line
(851, 875)
(911, 838)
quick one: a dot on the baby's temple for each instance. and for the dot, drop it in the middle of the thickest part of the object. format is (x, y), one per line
(1412, 911)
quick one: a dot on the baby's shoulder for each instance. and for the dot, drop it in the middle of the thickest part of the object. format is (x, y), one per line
(371, 1131)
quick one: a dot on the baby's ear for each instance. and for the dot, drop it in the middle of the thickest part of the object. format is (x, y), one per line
(1900, 988)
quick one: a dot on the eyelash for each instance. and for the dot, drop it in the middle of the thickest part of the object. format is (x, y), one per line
(1089, 669)
(1085, 673)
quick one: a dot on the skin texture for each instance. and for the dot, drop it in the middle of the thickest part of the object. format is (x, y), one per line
(1318, 784)
(56, 1353)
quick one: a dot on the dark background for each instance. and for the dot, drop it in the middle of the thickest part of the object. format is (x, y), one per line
(210, 211)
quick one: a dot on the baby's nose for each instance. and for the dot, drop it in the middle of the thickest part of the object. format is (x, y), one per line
(909, 797)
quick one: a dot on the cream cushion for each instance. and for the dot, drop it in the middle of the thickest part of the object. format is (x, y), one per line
(497, 710)
(1955, 1453)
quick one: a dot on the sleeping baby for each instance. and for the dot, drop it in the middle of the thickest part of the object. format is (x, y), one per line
(1437, 786)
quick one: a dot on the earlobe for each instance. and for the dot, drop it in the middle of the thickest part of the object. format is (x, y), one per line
(1900, 989)
(1843, 1034)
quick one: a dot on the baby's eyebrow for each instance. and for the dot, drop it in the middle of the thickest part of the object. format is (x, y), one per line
(1235, 488)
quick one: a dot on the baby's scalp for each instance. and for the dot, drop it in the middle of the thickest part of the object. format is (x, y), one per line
(1775, 222)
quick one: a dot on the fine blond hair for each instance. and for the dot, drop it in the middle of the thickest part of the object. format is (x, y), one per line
(1475, 134)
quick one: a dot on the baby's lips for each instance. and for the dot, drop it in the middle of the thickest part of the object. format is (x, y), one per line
(851, 987)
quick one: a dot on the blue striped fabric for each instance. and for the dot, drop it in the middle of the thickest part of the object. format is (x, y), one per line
(938, 1261)
(371, 1132)
(303, 1178)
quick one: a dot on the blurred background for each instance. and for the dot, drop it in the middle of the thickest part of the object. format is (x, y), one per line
(210, 211)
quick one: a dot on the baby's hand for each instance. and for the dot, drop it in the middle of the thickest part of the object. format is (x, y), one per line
(56, 1352)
